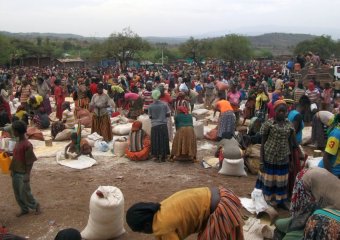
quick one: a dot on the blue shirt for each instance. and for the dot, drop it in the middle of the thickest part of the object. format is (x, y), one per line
(332, 148)
(291, 116)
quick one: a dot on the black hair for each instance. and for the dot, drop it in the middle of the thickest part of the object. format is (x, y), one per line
(19, 126)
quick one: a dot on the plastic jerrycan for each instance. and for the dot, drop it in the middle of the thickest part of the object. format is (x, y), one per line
(5, 162)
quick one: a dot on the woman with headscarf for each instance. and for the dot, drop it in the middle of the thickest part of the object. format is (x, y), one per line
(277, 137)
(139, 143)
(213, 213)
(135, 104)
(59, 98)
(101, 122)
(181, 100)
(184, 145)
(261, 103)
(158, 113)
(314, 210)
(227, 120)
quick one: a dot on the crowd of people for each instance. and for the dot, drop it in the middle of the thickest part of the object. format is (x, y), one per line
(277, 105)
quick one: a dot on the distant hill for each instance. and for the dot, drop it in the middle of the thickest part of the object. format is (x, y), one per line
(277, 43)
(43, 35)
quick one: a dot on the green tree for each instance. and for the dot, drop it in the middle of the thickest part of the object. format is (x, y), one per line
(194, 49)
(5, 50)
(324, 46)
(124, 46)
(233, 47)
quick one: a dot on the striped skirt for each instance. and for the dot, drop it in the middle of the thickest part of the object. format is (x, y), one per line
(102, 126)
(274, 182)
(160, 141)
(226, 221)
(184, 143)
(226, 124)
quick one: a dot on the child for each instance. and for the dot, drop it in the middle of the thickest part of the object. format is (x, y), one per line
(83, 148)
(21, 166)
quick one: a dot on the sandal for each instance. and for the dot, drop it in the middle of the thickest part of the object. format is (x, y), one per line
(22, 213)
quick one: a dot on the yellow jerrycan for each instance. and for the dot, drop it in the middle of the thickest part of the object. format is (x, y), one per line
(5, 162)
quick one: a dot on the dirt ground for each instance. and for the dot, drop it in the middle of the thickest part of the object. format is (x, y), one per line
(64, 193)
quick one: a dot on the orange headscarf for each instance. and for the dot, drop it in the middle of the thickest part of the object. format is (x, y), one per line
(278, 103)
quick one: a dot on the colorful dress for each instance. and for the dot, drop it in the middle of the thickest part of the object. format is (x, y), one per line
(59, 100)
(274, 179)
(184, 143)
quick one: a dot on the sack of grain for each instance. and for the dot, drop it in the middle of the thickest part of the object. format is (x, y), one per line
(64, 135)
(106, 220)
(146, 123)
(233, 167)
(199, 129)
(122, 129)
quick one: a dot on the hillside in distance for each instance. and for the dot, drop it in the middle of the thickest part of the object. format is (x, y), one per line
(277, 43)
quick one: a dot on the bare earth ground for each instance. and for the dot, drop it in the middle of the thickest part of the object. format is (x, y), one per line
(64, 193)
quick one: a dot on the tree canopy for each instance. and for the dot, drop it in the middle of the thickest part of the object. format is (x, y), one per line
(324, 46)
(124, 46)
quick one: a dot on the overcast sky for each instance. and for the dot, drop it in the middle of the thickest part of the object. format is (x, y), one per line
(99, 18)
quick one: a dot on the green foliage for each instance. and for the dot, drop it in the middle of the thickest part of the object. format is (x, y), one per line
(233, 47)
(5, 50)
(262, 53)
(194, 49)
(124, 46)
(325, 46)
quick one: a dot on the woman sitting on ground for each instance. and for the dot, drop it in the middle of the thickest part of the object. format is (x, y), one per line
(213, 213)
(184, 145)
(139, 143)
(41, 119)
(310, 194)
(78, 146)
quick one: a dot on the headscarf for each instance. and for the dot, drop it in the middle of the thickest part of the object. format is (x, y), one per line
(278, 103)
(136, 125)
(182, 109)
(68, 234)
(140, 214)
(156, 94)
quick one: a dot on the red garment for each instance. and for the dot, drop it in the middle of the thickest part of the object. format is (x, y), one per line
(5, 107)
(166, 98)
(93, 88)
(59, 100)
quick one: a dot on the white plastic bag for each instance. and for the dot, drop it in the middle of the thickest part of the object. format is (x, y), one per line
(258, 200)
(106, 220)
(101, 146)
